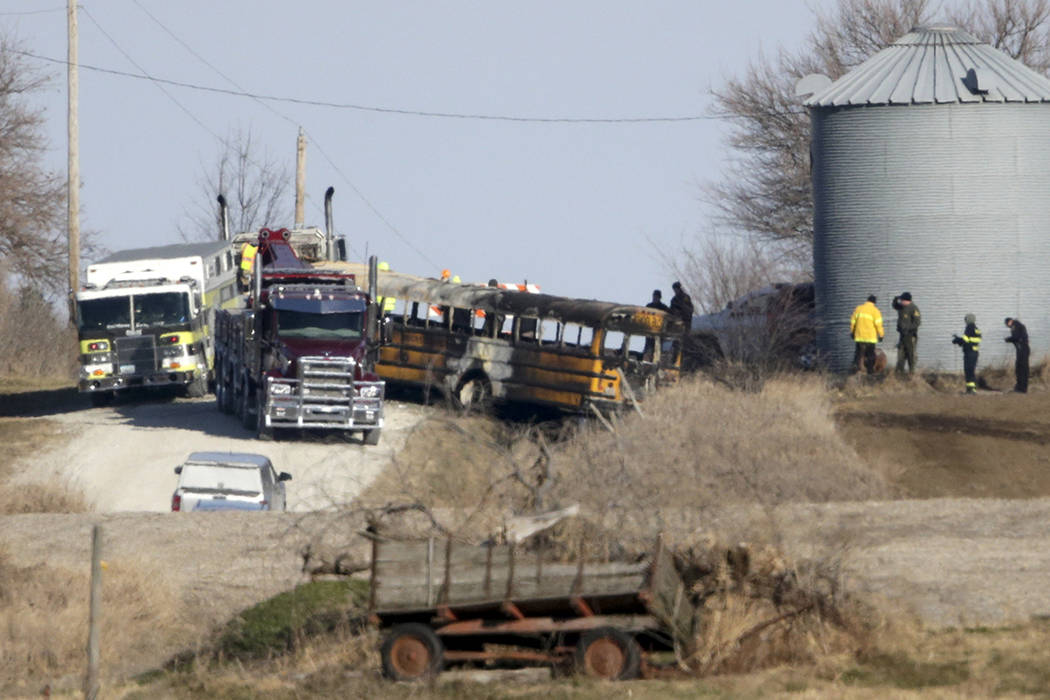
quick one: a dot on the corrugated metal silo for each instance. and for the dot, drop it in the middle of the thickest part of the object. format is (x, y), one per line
(931, 174)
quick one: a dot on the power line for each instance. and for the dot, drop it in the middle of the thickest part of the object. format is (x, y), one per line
(385, 110)
(288, 119)
(189, 113)
(33, 12)
(145, 75)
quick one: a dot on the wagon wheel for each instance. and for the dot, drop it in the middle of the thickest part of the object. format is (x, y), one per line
(412, 652)
(608, 653)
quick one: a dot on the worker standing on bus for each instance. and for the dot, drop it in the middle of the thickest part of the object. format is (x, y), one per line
(386, 304)
(248, 251)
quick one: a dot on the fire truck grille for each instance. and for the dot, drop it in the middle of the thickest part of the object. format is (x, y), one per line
(136, 354)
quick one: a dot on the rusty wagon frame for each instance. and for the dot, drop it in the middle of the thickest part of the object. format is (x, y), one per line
(443, 602)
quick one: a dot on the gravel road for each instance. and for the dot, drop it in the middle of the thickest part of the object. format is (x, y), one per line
(122, 457)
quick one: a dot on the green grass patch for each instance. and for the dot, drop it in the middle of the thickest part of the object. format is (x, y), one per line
(1025, 676)
(901, 671)
(274, 626)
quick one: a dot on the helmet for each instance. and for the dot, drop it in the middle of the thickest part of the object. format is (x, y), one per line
(383, 266)
(445, 274)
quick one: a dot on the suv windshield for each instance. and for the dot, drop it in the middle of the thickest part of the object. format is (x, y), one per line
(114, 312)
(299, 324)
(164, 309)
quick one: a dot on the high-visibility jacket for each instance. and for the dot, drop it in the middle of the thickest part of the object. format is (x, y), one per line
(866, 323)
(971, 338)
(248, 256)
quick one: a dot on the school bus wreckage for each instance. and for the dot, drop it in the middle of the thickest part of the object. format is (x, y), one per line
(479, 344)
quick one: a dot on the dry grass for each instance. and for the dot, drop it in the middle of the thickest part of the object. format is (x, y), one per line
(698, 445)
(34, 341)
(41, 498)
(23, 439)
(961, 663)
(44, 613)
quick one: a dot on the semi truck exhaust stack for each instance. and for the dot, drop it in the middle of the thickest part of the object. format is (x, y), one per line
(224, 219)
(329, 227)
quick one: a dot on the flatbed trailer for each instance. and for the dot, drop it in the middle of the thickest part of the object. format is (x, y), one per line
(443, 602)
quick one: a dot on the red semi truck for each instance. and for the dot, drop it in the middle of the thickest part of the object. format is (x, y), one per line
(300, 352)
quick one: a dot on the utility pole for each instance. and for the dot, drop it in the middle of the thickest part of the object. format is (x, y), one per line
(74, 159)
(300, 179)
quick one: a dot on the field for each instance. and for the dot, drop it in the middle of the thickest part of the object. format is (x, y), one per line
(926, 506)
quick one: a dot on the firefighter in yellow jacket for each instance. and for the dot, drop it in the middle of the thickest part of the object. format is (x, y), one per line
(866, 328)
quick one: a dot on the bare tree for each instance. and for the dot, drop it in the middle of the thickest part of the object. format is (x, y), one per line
(255, 184)
(32, 198)
(765, 189)
(1018, 27)
(719, 268)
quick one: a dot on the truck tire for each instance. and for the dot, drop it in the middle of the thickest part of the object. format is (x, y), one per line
(412, 652)
(371, 437)
(608, 653)
(244, 412)
(198, 387)
(226, 380)
(222, 389)
(262, 431)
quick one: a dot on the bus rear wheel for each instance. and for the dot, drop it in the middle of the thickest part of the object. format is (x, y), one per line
(474, 394)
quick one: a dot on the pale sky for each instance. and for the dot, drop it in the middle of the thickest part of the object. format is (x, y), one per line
(579, 209)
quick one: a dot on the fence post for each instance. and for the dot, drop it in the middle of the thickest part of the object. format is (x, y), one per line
(91, 681)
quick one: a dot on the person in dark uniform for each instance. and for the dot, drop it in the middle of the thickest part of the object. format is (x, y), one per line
(970, 341)
(656, 303)
(650, 343)
(1019, 337)
(681, 304)
(908, 321)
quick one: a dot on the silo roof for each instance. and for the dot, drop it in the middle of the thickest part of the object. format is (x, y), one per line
(935, 65)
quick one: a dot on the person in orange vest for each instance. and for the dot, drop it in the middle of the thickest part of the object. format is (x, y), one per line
(865, 326)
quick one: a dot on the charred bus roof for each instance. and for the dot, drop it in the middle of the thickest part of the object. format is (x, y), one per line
(588, 312)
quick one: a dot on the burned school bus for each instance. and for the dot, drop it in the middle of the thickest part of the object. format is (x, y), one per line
(480, 344)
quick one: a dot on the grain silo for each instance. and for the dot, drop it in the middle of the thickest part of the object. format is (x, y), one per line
(931, 174)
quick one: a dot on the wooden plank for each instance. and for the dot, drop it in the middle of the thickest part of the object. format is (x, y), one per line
(497, 577)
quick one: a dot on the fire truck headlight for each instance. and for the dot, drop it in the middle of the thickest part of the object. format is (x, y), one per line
(280, 389)
(369, 392)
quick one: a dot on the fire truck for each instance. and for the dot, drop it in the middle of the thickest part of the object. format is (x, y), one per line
(300, 351)
(144, 317)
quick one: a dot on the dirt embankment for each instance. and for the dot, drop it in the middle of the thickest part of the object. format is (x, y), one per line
(993, 445)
